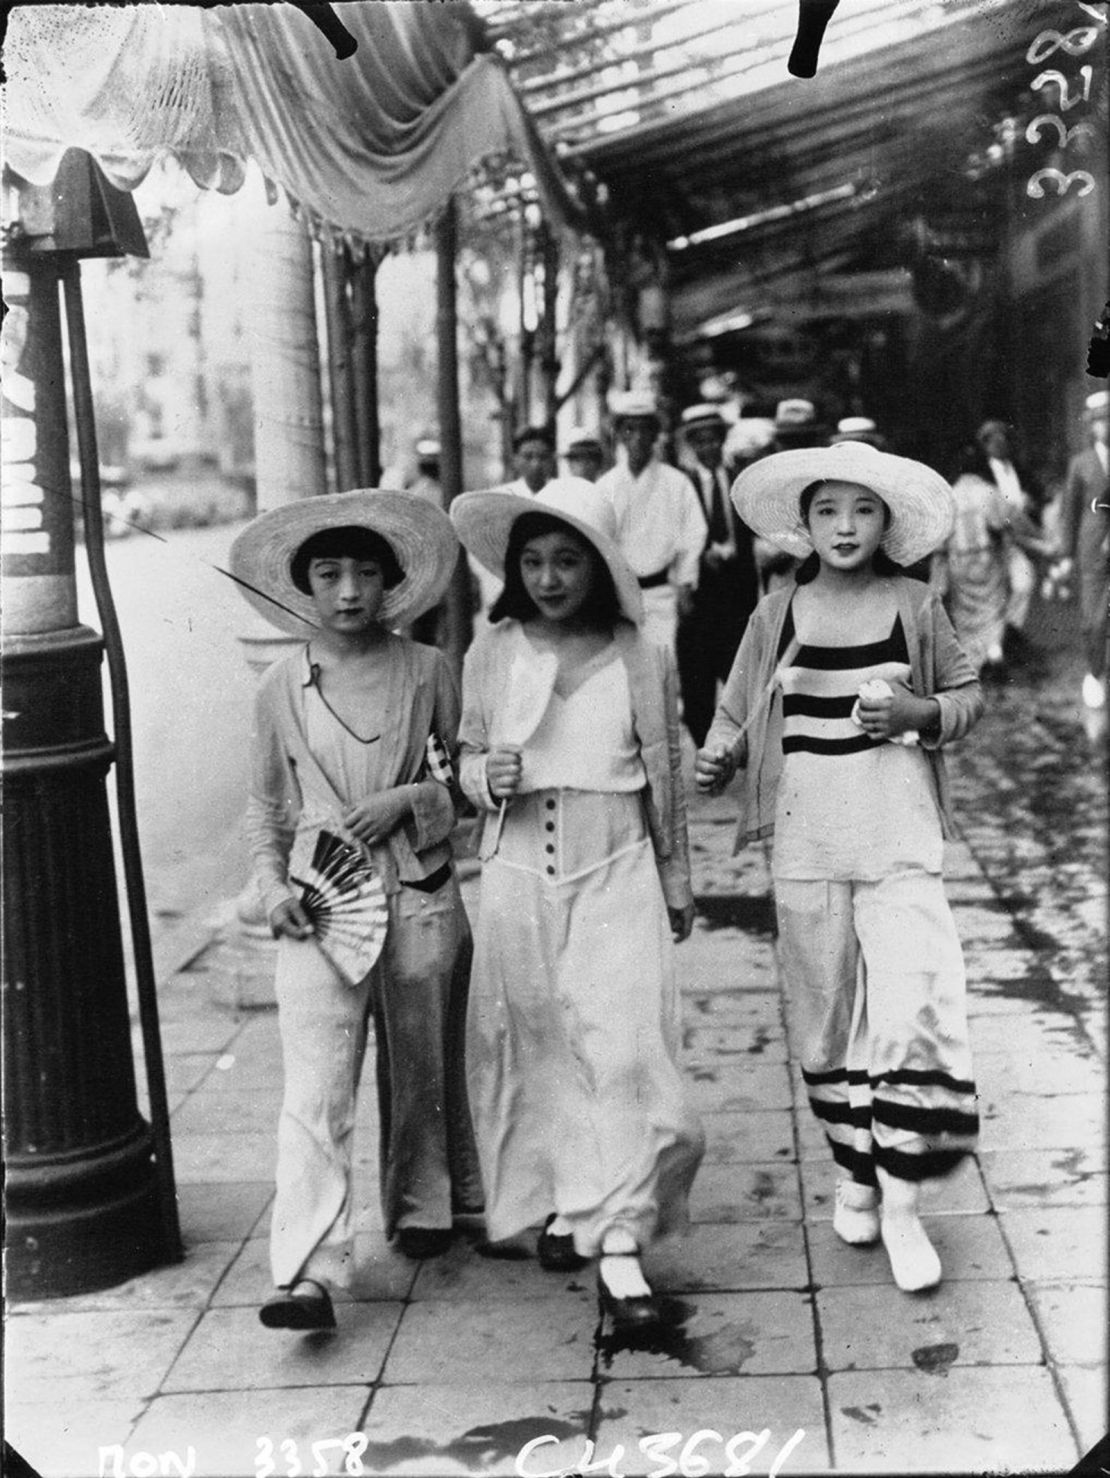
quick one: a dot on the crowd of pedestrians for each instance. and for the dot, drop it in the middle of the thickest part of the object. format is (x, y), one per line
(817, 611)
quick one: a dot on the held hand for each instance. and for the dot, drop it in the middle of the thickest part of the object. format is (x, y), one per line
(374, 818)
(682, 922)
(289, 919)
(713, 769)
(504, 769)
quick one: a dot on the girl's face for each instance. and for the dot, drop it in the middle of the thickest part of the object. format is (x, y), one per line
(846, 523)
(347, 592)
(557, 571)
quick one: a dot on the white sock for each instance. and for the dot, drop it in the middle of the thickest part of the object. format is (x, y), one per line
(622, 1275)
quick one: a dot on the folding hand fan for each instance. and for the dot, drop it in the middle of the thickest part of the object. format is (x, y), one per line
(343, 897)
(437, 760)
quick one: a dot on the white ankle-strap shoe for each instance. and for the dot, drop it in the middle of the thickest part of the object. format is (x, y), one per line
(856, 1215)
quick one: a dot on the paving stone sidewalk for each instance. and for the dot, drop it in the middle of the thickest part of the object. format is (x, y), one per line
(773, 1328)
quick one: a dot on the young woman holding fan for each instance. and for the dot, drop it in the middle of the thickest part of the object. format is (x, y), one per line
(349, 818)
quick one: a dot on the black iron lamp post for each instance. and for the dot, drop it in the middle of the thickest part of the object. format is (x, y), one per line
(89, 1201)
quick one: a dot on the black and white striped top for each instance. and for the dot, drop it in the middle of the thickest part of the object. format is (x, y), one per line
(821, 686)
(849, 806)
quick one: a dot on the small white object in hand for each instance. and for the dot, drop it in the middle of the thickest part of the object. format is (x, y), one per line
(877, 687)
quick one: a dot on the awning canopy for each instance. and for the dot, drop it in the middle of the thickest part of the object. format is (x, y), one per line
(369, 147)
(755, 187)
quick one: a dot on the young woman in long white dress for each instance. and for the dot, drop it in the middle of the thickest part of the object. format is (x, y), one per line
(570, 744)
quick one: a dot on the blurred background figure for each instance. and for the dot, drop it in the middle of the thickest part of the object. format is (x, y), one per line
(584, 454)
(534, 464)
(972, 569)
(660, 525)
(995, 440)
(748, 438)
(1085, 542)
(728, 586)
(859, 428)
(533, 459)
(426, 483)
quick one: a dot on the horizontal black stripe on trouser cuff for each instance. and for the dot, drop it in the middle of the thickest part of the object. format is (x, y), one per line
(859, 1166)
(649, 582)
(928, 1165)
(803, 744)
(835, 1075)
(931, 1077)
(840, 1111)
(927, 1122)
(810, 707)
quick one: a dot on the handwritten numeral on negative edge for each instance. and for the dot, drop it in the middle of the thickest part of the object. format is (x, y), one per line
(1064, 135)
(1043, 79)
(1062, 181)
(1075, 43)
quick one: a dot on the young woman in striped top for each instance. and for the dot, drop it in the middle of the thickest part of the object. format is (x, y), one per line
(845, 687)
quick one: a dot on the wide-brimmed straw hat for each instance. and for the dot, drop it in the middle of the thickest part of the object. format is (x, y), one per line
(419, 533)
(484, 520)
(766, 495)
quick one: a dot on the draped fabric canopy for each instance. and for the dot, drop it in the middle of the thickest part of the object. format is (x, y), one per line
(369, 147)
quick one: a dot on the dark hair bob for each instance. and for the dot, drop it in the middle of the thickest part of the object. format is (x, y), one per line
(347, 540)
(882, 563)
(602, 607)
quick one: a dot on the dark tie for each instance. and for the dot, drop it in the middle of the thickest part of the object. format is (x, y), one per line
(718, 521)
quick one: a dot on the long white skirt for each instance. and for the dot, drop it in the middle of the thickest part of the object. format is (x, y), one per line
(573, 1028)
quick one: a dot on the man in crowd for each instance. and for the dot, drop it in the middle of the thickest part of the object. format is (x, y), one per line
(1085, 542)
(660, 525)
(534, 463)
(728, 586)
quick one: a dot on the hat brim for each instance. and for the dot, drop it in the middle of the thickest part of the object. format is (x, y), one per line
(419, 533)
(484, 521)
(766, 495)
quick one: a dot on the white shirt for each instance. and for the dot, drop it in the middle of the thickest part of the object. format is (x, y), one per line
(660, 523)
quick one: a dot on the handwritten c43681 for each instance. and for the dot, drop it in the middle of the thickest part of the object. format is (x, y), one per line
(671, 1451)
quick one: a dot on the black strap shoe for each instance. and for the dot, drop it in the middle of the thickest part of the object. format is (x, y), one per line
(555, 1253)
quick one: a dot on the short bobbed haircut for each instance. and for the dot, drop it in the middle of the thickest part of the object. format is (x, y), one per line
(349, 540)
(882, 563)
(602, 607)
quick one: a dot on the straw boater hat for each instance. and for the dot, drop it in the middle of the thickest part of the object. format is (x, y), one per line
(766, 496)
(484, 521)
(418, 532)
(856, 428)
(634, 405)
(705, 414)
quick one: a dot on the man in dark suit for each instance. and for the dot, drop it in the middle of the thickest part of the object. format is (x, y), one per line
(1085, 539)
(728, 586)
